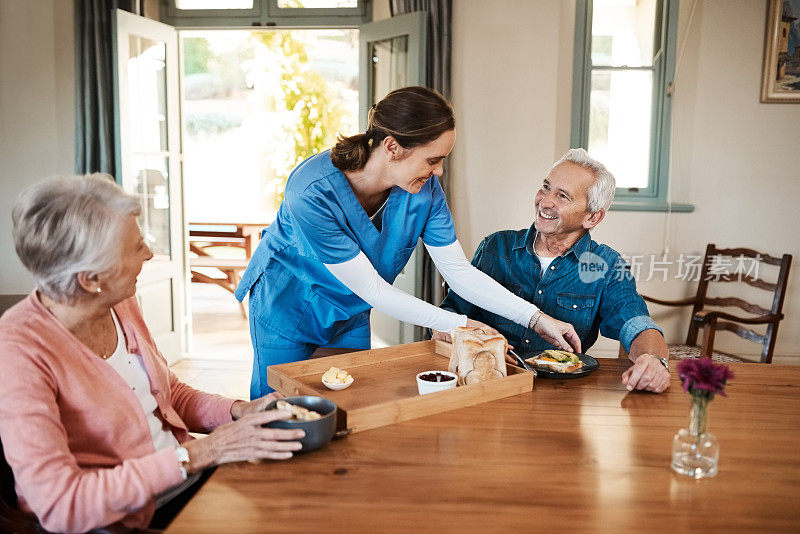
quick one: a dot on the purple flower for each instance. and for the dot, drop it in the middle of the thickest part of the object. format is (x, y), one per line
(702, 374)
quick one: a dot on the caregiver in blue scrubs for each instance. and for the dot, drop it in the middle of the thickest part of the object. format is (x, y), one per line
(350, 219)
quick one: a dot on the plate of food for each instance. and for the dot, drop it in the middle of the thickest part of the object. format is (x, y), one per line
(561, 364)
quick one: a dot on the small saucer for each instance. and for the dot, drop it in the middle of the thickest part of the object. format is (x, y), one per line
(338, 387)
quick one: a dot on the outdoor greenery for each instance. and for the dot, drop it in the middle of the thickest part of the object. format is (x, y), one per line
(307, 95)
(266, 82)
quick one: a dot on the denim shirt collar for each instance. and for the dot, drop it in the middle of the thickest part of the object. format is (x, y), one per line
(526, 241)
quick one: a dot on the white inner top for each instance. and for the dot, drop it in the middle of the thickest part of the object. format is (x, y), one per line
(131, 368)
(377, 217)
(545, 262)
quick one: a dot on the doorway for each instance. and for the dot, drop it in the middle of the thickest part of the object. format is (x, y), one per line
(255, 104)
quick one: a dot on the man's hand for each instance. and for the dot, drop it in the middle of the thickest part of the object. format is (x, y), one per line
(558, 333)
(647, 374)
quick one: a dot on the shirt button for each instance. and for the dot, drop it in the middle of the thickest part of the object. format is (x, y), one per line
(552, 268)
(574, 305)
(540, 291)
(527, 341)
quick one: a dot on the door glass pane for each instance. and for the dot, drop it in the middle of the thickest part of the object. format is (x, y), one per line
(151, 183)
(389, 65)
(317, 3)
(148, 142)
(623, 32)
(214, 4)
(147, 93)
(619, 124)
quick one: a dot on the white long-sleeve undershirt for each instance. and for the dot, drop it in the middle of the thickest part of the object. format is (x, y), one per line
(478, 287)
(361, 278)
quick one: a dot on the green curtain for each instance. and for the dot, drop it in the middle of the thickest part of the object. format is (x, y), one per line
(95, 134)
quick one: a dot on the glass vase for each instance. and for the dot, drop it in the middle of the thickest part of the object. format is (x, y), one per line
(695, 452)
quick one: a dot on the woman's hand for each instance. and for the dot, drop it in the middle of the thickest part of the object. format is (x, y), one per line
(442, 336)
(241, 408)
(558, 333)
(244, 439)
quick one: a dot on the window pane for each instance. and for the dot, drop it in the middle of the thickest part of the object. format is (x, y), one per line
(214, 4)
(389, 65)
(619, 124)
(317, 3)
(623, 32)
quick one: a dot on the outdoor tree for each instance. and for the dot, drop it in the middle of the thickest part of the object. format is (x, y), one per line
(309, 103)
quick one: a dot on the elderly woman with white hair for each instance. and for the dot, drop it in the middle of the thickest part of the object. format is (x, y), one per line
(94, 424)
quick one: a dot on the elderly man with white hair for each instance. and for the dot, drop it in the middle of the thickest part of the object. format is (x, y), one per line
(555, 265)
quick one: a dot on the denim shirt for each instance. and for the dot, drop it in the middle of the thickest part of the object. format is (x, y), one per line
(590, 287)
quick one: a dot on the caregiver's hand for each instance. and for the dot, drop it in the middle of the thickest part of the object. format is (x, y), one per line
(244, 439)
(558, 333)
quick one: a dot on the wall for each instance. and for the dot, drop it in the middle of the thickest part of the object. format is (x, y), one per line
(733, 158)
(37, 102)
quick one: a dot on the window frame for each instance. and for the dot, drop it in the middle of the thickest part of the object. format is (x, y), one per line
(266, 13)
(654, 196)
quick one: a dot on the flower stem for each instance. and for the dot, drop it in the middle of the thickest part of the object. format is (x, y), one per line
(698, 418)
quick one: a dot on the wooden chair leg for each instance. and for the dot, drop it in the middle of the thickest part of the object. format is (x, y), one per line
(691, 336)
(709, 330)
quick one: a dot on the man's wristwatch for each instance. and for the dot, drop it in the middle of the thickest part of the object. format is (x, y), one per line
(663, 361)
(182, 455)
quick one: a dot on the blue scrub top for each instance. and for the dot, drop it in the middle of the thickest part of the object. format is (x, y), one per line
(321, 221)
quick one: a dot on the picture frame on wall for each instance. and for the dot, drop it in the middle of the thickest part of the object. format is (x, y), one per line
(780, 78)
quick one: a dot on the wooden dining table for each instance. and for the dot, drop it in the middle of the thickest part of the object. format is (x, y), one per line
(582, 454)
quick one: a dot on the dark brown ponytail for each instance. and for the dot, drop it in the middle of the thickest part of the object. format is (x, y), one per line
(412, 115)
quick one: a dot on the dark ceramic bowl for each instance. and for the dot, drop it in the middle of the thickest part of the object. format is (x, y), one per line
(319, 431)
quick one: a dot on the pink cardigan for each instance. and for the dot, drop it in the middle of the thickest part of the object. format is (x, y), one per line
(74, 432)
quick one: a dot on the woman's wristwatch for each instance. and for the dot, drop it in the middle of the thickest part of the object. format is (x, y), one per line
(182, 455)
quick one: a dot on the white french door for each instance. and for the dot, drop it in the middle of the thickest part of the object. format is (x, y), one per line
(392, 55)
(149, 165)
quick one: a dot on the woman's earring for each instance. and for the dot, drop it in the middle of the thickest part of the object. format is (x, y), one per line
(99, 290)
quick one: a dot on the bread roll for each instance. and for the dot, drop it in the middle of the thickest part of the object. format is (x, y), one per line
(478, 355)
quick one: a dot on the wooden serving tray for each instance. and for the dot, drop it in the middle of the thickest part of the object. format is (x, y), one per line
(385, 387)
